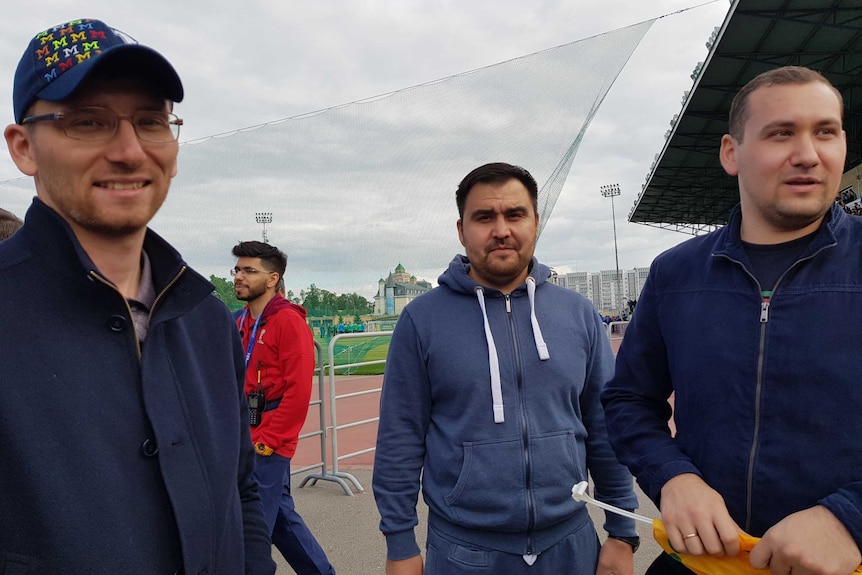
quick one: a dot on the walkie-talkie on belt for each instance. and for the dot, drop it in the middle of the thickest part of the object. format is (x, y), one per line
(256, 403)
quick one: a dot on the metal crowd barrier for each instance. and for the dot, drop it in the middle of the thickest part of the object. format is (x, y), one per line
(325, 474)
(321, 432)
(616, 330)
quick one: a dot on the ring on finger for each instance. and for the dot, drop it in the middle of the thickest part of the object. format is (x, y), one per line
(689, 536)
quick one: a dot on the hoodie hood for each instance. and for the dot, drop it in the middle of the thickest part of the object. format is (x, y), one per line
(457, 279)
(279, 303)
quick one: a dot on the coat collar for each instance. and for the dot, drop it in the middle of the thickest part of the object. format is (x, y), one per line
(47, 235)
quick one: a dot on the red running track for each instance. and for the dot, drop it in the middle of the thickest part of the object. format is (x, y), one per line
(349, 409)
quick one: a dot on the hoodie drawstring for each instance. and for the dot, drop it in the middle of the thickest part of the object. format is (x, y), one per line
(541, 346)
(496, 388)
(493, 359)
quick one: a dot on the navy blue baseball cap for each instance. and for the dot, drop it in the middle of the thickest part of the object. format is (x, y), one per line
(60, 58)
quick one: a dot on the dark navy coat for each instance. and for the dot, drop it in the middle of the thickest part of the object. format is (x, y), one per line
(117, 457)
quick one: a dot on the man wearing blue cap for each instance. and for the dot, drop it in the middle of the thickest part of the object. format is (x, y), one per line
(125, 442)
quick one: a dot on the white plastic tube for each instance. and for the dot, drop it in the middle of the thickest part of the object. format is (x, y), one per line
(579, 493)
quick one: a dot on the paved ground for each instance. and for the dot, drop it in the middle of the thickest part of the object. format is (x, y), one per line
(347, 526)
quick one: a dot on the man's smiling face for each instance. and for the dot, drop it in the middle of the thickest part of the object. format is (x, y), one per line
(112, 187)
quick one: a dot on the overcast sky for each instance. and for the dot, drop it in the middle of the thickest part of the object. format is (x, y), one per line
(255, 62)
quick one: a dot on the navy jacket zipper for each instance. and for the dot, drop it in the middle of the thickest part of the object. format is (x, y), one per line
(765, 302)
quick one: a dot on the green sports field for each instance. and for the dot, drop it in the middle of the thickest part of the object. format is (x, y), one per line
(357, 350)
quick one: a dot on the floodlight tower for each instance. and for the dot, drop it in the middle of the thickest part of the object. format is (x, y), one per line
(263, 218)
(611, 191)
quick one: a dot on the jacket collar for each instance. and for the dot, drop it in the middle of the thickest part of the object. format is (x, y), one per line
(729, 239)
(47, 234)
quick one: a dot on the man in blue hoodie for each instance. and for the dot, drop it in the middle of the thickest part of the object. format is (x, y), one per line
(491, 396)
(739, 325)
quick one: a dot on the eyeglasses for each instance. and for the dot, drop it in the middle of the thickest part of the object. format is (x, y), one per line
(248, 271)
(94, 124)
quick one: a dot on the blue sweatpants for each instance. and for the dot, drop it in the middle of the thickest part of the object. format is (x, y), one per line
(575, 554)
(289, 533)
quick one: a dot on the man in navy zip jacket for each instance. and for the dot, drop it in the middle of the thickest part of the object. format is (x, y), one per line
(740, 325)
(124, 440)
(491, 394)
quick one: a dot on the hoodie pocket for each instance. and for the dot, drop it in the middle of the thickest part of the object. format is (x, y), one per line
(490, 490)
(558, 463)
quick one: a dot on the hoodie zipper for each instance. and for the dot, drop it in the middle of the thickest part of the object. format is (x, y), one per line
(765, 302)
(528, 473)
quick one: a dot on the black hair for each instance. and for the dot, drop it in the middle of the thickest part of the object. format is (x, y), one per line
(272, 258)
(497, 172)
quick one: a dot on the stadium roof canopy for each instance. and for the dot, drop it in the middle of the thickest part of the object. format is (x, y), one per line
(687, 189)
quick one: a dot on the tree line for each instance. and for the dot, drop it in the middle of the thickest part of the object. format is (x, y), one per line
(319, 302)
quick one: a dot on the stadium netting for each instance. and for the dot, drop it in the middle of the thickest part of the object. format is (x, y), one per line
(356, 189)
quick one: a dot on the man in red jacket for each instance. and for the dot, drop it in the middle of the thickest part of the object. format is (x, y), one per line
(279, 359)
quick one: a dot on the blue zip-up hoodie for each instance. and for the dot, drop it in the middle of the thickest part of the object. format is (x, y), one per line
(767, 391)
(497, 468)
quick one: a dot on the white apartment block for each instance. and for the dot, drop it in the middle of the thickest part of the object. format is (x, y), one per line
(605, 289)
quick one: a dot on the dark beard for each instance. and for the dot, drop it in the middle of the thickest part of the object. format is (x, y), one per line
(251, 295)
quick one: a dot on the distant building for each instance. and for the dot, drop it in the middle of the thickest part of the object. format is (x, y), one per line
(603, 288)
(397, 290)
(634, 280)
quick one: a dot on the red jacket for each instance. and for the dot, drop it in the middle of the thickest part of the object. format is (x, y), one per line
(283, 358)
